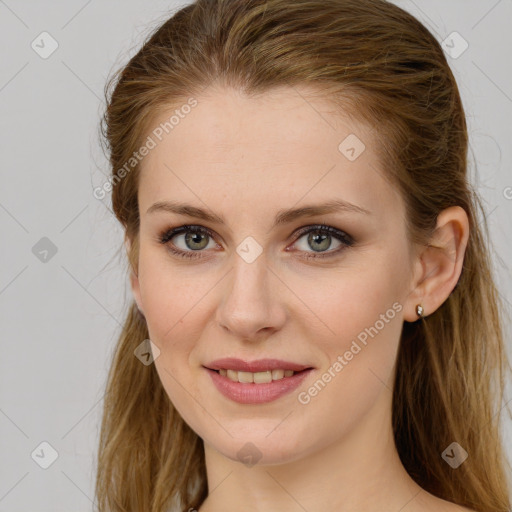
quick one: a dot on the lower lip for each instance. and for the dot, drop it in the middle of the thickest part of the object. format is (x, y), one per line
(251, 393)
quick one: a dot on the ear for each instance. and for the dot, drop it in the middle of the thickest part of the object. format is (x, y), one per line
(134, 279)
(439, 265)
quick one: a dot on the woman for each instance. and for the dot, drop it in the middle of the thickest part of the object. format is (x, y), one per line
(307, 260)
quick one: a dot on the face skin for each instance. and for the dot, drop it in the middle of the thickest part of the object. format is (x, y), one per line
(246, 159)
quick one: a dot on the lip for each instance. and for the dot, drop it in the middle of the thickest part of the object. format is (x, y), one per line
(251, 393)
(261, 365)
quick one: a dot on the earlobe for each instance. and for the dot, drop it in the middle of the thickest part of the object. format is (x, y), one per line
(441, 263)
(134, 279)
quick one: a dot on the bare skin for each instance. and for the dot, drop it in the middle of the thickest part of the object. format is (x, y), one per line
(246, 159)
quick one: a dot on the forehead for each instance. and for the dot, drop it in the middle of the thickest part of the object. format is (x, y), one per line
(277, 148)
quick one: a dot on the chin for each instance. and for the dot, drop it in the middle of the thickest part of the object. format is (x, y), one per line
(259, 449)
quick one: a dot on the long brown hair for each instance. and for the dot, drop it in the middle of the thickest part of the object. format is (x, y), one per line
(381, 65)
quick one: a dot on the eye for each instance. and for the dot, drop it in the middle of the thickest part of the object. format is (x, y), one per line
(196, 238)
(320, 238)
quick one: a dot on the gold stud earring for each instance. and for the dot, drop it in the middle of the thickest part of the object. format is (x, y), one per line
(420, 311)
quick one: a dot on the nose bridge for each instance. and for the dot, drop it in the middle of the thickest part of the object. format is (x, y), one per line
(249, 278)
(249, 303)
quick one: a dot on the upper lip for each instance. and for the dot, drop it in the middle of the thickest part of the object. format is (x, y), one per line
(261, 365)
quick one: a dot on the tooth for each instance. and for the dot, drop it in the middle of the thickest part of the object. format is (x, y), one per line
(233, 375)
(245, 377)
(263, 377)
(258, 377)
(277, 374)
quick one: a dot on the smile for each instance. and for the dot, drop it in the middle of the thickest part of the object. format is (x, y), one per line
(256, 388)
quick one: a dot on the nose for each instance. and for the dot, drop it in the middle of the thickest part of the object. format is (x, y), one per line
(251, 306)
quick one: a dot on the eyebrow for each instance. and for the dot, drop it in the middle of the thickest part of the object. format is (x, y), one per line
(283, 216)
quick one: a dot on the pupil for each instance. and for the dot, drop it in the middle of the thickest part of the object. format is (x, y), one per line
(195, 239)
(320, 239)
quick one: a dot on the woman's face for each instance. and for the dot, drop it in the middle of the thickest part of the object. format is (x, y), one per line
(254, 289)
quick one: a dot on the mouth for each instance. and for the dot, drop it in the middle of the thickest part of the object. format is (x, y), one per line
(264, 377)
(258, 387)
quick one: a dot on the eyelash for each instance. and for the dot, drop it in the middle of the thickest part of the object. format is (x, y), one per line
(165, 237)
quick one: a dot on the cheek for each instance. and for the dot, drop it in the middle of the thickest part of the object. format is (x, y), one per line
(177, 307)
(359, 331)
(168, 293)
(172, 308)
(364, 312)
(343, 302)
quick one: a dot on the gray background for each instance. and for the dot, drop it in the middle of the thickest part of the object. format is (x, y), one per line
(60, 317)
